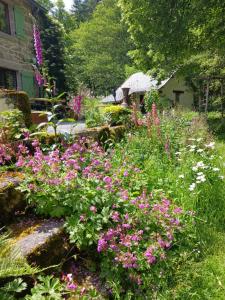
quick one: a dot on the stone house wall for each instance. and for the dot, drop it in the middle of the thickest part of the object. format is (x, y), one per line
(16, 50)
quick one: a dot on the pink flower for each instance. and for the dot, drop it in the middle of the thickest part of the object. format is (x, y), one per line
(125, 174)
(149, 255)
(107, 179)
(102, 245)
(116, 216)
(35, 143)
(37, 45)
(82, 218)
(71, 286)
(93, 209)
(178, 210)
(126, 226)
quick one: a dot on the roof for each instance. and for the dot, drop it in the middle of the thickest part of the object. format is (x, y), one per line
(111, 99)
(36, 4)
(137, 83)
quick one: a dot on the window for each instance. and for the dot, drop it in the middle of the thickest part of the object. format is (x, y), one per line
(4, 18)
(8, 79)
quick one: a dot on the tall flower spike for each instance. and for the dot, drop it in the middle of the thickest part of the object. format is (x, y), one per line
(37, 45)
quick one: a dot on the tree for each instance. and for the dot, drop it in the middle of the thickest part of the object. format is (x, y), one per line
(83, 9)
(99, 49)
(46, 4)
(65, 18)
(53, 40)
(167, 33)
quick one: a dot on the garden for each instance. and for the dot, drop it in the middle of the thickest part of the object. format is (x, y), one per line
(139, 218)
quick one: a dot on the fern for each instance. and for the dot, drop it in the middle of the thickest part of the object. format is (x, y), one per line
(11, 263)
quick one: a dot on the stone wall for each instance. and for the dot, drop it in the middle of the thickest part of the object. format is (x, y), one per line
(16, 53)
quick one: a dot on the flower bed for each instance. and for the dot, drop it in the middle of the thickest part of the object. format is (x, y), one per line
(143, 206)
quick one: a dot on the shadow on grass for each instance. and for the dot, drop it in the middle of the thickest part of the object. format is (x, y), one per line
(217, 126)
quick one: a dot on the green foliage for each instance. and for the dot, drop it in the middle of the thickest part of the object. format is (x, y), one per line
(83, 9)
(47, 4)
(47, 288)
(93, 116)
(12, 125)
(99, 49)
(53, 40)
(9, 290)
(11, 263)
(107, 196)
(150, 98)
(167, 33)
(116, 115)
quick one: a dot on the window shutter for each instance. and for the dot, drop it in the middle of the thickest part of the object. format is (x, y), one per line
(19, 21)
(28, 83)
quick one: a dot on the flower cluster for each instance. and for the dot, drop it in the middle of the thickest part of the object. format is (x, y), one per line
(75, 104)
(143, 237)
(6, 153)
(37, 45)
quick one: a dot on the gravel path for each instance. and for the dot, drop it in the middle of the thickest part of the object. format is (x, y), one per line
(70, 128)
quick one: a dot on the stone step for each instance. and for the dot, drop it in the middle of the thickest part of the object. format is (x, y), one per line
(41, 242)
(11, 199)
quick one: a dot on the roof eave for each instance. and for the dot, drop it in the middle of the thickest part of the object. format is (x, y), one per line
(37, 5)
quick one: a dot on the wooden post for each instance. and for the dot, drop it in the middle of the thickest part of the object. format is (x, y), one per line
(125, 97)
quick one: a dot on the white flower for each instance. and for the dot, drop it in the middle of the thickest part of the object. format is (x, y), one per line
(181, 176)
(216, 169)
(210, 145)
(200, 164)
(195, 169)
(200, 150)
(192, 187)
(200, 174)
(178, 153)
(221, 177)
(201, 178)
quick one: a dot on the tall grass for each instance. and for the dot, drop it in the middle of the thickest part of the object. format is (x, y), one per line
(167, 162)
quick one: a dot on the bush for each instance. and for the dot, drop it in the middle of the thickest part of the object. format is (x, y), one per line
(21, 101)
(116, 115)
(11, 125)
(93, 117)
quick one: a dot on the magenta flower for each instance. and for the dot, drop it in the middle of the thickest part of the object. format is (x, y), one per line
(102, 245)
(107, 179)
(150, 256)
(75, 104)
(37, 45)
(71, 286)
(116, 216)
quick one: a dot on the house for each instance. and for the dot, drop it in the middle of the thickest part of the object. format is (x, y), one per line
(16, 44)
(174, 90)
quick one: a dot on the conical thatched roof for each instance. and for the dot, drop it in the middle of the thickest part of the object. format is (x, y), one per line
(139, 82)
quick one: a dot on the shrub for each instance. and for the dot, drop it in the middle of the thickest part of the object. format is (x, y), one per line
(21, 101)
(93, 117)
(12, 125)
(116, 115)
